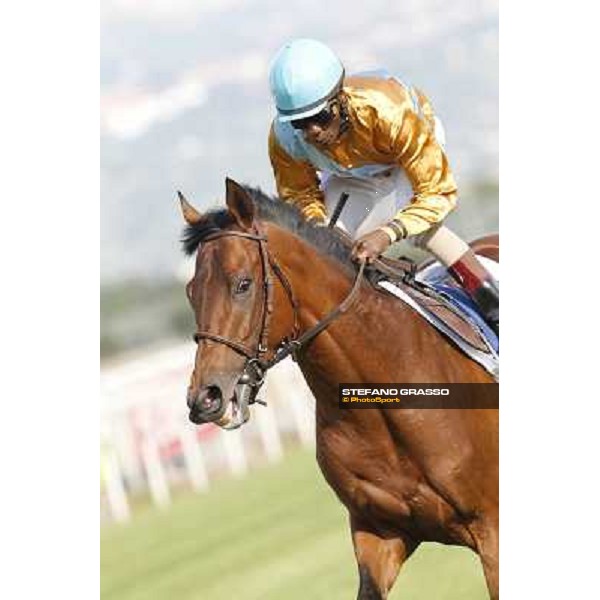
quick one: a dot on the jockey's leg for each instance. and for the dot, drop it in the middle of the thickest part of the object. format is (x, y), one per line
(374, 201)
(463, 265)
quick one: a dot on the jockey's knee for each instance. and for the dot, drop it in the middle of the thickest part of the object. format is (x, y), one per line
(443, 243)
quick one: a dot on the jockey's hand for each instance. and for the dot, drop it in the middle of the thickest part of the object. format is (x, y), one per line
(370, 246)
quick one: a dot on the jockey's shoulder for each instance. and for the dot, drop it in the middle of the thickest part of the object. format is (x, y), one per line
(378, 89)
(383, 96)
(372, 99)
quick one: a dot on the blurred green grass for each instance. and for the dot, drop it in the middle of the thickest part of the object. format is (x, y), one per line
(279, 534)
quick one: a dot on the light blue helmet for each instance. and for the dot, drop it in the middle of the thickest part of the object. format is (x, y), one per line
(305, 74)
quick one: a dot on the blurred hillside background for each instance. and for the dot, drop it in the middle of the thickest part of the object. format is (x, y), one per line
(185, 102)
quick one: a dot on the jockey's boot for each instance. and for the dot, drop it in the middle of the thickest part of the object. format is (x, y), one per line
(480, 285)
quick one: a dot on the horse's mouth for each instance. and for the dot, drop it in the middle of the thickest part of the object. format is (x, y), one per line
(234, 414)
(232, 417)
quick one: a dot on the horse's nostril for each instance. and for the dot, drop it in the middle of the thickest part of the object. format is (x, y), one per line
(207, 400)
(212, 399)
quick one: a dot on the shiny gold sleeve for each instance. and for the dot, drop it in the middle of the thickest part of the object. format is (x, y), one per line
(296, 181)
(411, 141)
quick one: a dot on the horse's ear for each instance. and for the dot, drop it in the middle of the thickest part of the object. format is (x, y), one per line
(190, 214)
(240, 204)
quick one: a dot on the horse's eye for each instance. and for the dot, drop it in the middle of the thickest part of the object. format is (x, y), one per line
(243, 285)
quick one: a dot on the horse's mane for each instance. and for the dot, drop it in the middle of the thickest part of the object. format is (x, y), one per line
(274, 210)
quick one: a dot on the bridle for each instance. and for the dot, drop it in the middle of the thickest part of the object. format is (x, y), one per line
(257, 365)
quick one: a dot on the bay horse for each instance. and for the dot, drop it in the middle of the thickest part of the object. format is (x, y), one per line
(264, 277)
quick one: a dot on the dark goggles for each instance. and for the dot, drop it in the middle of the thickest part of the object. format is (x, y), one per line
(323, 118)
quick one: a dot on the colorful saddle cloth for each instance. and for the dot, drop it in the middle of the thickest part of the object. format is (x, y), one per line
(435, 296)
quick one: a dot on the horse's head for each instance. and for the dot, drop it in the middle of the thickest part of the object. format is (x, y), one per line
(230, 297)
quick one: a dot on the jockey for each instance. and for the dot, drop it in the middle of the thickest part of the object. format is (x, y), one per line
(377, 139)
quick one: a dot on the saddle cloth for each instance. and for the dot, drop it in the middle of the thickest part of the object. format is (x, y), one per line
(445, 305)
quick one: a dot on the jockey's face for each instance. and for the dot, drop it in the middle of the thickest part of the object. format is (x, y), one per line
(322, 131)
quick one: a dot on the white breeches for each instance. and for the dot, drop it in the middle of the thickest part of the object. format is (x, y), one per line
(372, 201)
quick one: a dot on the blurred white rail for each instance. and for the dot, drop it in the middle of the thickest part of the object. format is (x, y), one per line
(149, 446)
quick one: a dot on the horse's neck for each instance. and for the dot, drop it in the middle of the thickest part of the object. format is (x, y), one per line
(320, 284)
(379, 339)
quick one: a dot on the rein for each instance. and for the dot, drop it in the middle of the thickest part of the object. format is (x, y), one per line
(256, 367)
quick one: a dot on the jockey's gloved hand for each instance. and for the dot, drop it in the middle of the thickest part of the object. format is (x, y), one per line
(371, 245)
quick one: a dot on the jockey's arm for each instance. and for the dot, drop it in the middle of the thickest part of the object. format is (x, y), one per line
(297, 182)
(412, 142)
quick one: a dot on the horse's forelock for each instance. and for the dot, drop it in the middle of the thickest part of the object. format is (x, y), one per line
(193, 235)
